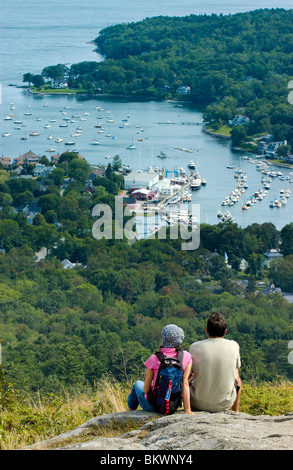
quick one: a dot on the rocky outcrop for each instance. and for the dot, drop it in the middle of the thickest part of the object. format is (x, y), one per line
(200, 431)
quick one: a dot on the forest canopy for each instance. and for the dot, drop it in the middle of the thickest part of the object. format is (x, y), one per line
(66, 328)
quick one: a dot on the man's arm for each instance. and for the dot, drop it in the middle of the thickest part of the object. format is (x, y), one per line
(186, 392)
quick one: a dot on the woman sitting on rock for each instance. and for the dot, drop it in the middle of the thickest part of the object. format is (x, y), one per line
(143, 393)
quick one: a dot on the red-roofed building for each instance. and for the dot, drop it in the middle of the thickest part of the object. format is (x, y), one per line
(142, 194)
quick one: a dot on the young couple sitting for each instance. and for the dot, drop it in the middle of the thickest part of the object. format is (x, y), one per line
(211, 380)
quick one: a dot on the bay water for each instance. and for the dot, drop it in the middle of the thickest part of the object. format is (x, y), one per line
(35, 34)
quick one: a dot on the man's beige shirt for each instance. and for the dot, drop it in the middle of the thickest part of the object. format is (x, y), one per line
(214, 362)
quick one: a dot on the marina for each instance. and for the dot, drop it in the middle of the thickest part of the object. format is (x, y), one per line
(144, 134)
(237, 186)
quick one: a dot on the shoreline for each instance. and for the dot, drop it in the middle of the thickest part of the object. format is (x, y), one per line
(239, 149)
(102, 95)
(126, 98)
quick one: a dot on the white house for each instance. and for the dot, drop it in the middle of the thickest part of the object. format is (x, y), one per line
(239, 120)
(164, 187)
(183, 90)
(271, 149)
(39, 169)
(243, 265)
(42, 170)
(67, 264)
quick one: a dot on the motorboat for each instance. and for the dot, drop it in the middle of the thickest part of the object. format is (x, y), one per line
(162, 155)
(191, 164)
(126, 168)
(196, 182)
(34, 133)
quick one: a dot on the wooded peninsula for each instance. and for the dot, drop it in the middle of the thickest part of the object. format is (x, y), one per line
(227, 65)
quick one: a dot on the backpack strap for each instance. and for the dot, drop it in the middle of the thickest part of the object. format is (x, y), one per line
(180, 356)
(160, 355)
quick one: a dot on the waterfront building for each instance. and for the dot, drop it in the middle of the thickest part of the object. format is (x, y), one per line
(138, 180)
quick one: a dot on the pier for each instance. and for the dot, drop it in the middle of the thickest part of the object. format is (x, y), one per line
(163, 202)
(187, 123)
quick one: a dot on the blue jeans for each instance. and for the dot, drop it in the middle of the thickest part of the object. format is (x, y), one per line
(137, 397)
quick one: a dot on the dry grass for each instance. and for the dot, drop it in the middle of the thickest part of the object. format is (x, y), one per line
(30, 421)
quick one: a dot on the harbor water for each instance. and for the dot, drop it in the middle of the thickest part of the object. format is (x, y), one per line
(37, 35)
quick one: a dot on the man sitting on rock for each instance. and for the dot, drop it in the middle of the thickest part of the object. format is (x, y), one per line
(216, 384)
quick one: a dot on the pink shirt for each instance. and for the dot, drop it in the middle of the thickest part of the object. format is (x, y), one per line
(153, 363)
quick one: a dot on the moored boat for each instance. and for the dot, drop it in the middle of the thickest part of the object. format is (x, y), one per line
(162, 155)
(196, 183)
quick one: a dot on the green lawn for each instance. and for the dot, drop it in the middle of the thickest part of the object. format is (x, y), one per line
(222, 130)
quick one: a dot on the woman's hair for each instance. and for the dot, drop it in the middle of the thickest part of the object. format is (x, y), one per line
(216, 324)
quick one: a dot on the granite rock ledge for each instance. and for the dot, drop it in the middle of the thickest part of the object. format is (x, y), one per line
(201, 431)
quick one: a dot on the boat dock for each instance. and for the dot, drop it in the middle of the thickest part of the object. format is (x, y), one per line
(163, 202)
